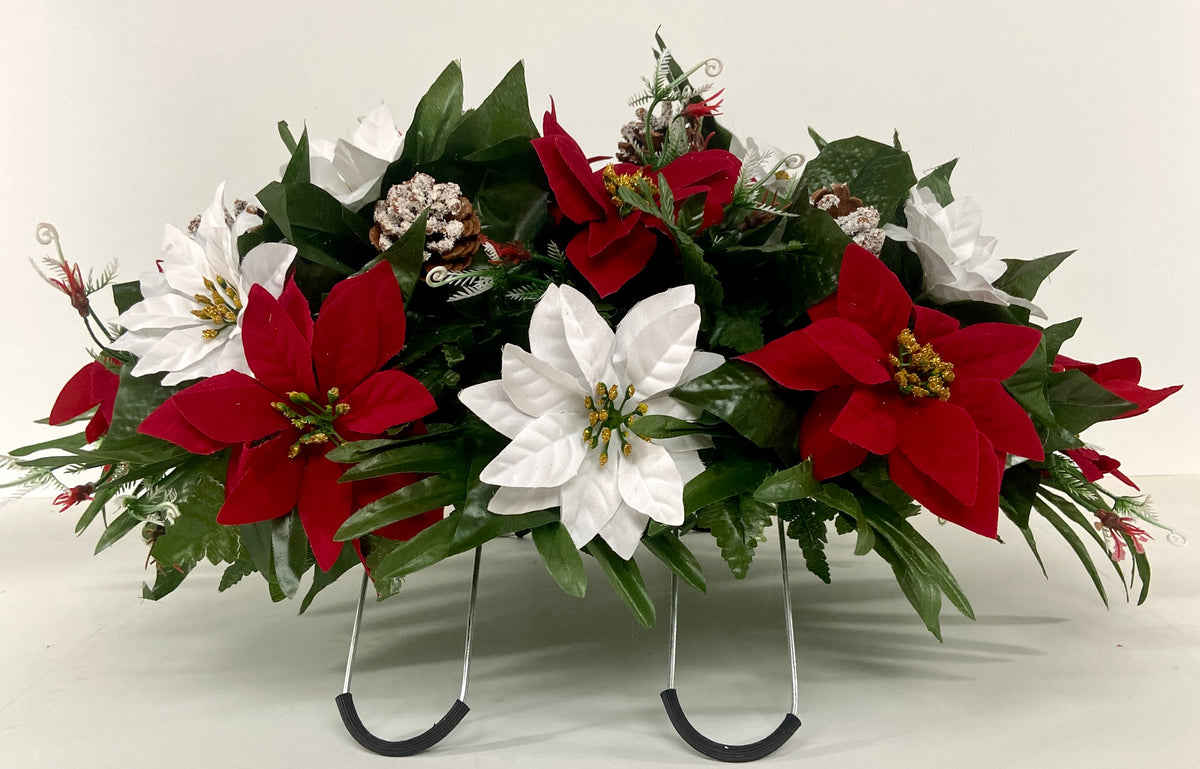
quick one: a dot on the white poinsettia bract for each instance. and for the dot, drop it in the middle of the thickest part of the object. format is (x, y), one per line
(957, 261)
(188, 323)
(351, 170)
(567, 403)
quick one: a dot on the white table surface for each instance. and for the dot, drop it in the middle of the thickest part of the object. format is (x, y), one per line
(93, 676)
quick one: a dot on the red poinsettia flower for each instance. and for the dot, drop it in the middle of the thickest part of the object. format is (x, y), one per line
(613, 247)
(1122, 378)
(1095, 465)
(907, 382)
(91, 386)
(314, 386)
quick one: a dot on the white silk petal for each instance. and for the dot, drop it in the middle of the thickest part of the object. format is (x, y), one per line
(509, 500)
(590, 499)
(537, 387)
(624, 531)
(661, 352)
(689, 463)
(490, 403)
(650, 483)
(588, 337)
(546, 453)
(645, 313)
(267, 265)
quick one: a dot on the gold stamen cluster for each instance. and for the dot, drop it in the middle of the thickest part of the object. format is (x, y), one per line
(316, 426)
(919, 370)
(606, 418)
(221, 306)
(614, 180)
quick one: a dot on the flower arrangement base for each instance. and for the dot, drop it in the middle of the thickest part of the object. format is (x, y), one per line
(434, 734)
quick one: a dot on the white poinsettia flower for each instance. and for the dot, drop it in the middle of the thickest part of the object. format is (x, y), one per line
(352, 170)
(188, 323)
(957, 261)
(778, 171)
(571, 447)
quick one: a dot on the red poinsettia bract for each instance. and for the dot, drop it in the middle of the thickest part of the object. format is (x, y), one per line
(907, 382)
(613, 247)
(1122, 378)
(92, 386)
(314, 385)
(1095, 465)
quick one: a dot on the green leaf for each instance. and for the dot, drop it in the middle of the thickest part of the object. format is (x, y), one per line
(76, 441)
(1142, 564)
(793, 483)
(561, 557)
(1066, 532)
(407, 257)
(920, 591)
(937, 181)
(285, 134)
(195, 534)
(1023, 278)
(809, 273)
(697, 270)
(289, 552)
(878, 174)
(738, 327)
(126, 295)
(346, 561)
(729, 477)
(436, 115)
(412, 500)
(100, 499)
(242, 567)
(806, 521)
(416, 458)
(738, 524)
(488, 132)
(427, 547)
(748, 401)
(626, 579)
(1078, 402)
(669, 549)
(1054, 336)
(817, 140)
(1019, 486)
(1026, 532)
(512, 209)
(1028, 385)
(664, 426)
(297, 168)
(117, 528)
(166, 580)
(318, 225)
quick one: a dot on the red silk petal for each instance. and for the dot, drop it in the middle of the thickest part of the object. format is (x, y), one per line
(612, 268)
(385, 399)
(988, 350)
(98, 425)
(870, 296)
(577, 190)
(1122, 378)
(166, 422)
(1128, 369)
(872, 419)
(294, 303)
(90, 386)
(981, 517)
(1142, 397)
(277, 351)
(931, 325)
(998, 417)
(797, 363)
(265, 482)
(851, 348)
(603, 233)
(940, 440)
(360, 327)
(1095, 465)
(713, 173)
(830, 455)
(231, 408)
(324, 507)
(826, 308)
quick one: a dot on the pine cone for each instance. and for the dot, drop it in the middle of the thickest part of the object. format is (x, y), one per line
(632, 145)
(836, 200)
(451, 226)
(860, 222)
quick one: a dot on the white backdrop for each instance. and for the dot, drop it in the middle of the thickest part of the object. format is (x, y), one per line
(1076, 124)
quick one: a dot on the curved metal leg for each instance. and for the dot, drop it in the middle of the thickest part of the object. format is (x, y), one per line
(433, 735)
(718, 750)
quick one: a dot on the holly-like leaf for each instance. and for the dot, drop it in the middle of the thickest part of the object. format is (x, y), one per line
(878, 174)
(1024, 277)
(937, 181)
(748, 401)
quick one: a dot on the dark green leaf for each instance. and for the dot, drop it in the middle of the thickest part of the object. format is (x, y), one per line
(297, 168)
(626, 579)
(806, 523)
(878, 174)
(1023, 527)
(100, 499)
(487, 133)
(347, 560)
(289, 552)
(727, 478)
(407, 256)
(1023, 278)
(663, 426)
(1020, 486)
(809, 273)
(738, 525)
(698, 271)
(1078, 402)
(920, 590)
(1066, 532)
(561, 557)
(117, 528)
(817, 140)
(428, 547)
(76, 441)
(1028, 385)
(415, 458)
(738, 327)
(793, 483)
(1142, 564)
(234, 572)
(1054, 336)
(285, 134)
(512, 209)
(126, 295)
(669, 549)
(748, 401)
(937, 181)
(167, 579)
(412, 500)
(436, 115)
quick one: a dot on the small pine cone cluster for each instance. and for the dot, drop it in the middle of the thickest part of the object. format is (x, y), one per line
(240, 207)
(452, 228)
(860, 222)
(632, 145)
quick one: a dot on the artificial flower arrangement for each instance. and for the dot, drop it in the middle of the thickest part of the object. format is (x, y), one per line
(415, 342)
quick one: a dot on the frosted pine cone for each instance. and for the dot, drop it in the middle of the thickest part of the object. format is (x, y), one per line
(860, 222)
(451, 225)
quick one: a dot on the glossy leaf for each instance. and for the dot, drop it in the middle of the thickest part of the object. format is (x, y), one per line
(1023, 278)
(407, 257)
(748, 401)
(1066, 532)
(415, 458)
(878, 174)
(346, 561)
(561, 557)
(626, 579)
(729, 477)
(412, 500)
(488, 132)
(1078, 402)
(437, 113)
(289, 552)
(937, 181)
(670, 549)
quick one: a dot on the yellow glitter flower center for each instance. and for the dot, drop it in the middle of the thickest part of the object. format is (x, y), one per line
(613, 181)
(918, 370)
(606, 419)
(221, 306)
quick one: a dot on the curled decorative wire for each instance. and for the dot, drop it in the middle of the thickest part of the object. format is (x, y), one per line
(438, 276)
(713, 67)
(794, 161)
(46, 233)
(1176, 538)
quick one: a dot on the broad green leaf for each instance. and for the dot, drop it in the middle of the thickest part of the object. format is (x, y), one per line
(1023, 278)
(817, 140)
(407, 257)
(738, 525)
(1026, 532)
(748, 401)
(512, 209)
(298, 166)
(487, 133)
(795, 482)
(428, 547)
(1019, 486)
(76, 441)
(626, 579)
(289, 552)
(1027, 385)
(809, 273)
(415, 458)
(1066, 532)
(729, 477)
(436, 115)
(285, 135)
(1054, 336)
(937, 181)
(126, 295)
(1078, 402)
(663, 426)
(920, 590)
(117, 528)
(346, 561)
(167, 579)
(878, 174)
(256, 538)
(670, 549)
(561, 557)
(412, 500)
(698, 271)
